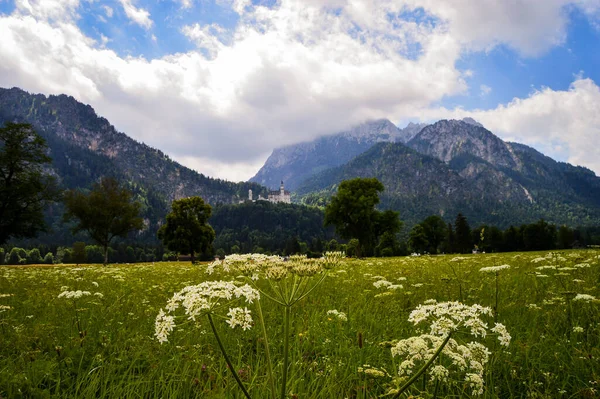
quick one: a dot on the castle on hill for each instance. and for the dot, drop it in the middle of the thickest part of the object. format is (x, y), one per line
(274, 196)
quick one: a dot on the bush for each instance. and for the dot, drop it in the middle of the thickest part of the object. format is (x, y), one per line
(34, 257)
(353, 248)
(64, 255)
(49, 258)
(94, 254)
(14, 257)
(387, 252)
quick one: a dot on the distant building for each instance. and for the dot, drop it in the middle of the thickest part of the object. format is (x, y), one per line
(274, 196)
(280, 196)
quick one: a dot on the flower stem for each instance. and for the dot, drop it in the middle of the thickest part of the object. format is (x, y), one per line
(267, 351)
(237, 378)
(286, 345)
(496, 307)
(423, 369)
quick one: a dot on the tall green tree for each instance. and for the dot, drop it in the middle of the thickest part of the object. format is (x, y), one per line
(352, 212)
(187, 229)
(24, 187)
(418, 239)
(436, 231)
(106, 212)
(462, 233)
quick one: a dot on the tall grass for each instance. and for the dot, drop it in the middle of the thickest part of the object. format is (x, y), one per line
(113, 353)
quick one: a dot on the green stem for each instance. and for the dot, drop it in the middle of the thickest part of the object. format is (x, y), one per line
(496, 307)
(267, 351)
(286, 345)
(310, 290)
(423, 369)
(237, 379)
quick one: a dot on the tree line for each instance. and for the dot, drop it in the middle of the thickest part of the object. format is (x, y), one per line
(433, 235)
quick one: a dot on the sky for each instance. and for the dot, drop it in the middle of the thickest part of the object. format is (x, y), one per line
(218, 84)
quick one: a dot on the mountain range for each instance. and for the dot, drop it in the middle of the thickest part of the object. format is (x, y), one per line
(84, 147)
(444, 168)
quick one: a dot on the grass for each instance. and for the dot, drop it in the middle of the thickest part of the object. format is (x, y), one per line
(554, 351)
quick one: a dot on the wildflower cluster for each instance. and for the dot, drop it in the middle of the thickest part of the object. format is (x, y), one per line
(337, 314)
(372, 372)
(276, 268)
(206, 298)
(494, 269)
(469, 359)
(445, 319)
(584, 298)
(74, 294)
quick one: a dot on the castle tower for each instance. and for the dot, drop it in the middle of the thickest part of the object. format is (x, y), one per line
(250, 194)
(282, 189)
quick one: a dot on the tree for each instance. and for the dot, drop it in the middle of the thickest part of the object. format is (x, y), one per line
(462, 233)
(418, 239)
(78, 254)
(187, 228)
(352, 212)
(24, 187)
(106, 212)
(435, 231)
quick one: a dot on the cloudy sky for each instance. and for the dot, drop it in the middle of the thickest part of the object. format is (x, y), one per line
(217, 84)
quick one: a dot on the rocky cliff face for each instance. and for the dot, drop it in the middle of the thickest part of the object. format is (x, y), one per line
(449, 139)
(297, 162)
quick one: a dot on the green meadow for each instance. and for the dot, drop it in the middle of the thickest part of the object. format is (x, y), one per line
(103, 344)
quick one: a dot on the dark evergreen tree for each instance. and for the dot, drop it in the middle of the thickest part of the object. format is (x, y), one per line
(25, 189)
(434, 228)
(418, 239)
(449, 244)
(463, 234)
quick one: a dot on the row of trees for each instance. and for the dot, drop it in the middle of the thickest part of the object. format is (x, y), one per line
(433, 235)
(80, 253)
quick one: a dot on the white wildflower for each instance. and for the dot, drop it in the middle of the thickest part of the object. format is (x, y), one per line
(339, 315)
(439, 373)
(494, 269)
(239, 317)
(578, 329)
(503, 335)
(163, 325)
(584, 298)
(74, 294)
(475, 381)
(381, 283)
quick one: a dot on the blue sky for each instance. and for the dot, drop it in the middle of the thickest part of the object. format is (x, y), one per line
(218, 84)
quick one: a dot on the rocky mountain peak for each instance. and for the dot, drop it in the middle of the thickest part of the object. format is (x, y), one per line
(447, 140)
(471, 121)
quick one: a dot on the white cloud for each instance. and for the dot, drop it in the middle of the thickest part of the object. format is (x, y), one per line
(484, 90)
(285, 74)
(108, 10)
(206, 37)
(55, 10)
(186, 3)
(564, 124)
(139, 16)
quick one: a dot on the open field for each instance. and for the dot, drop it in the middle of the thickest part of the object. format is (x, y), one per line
(103, 344)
